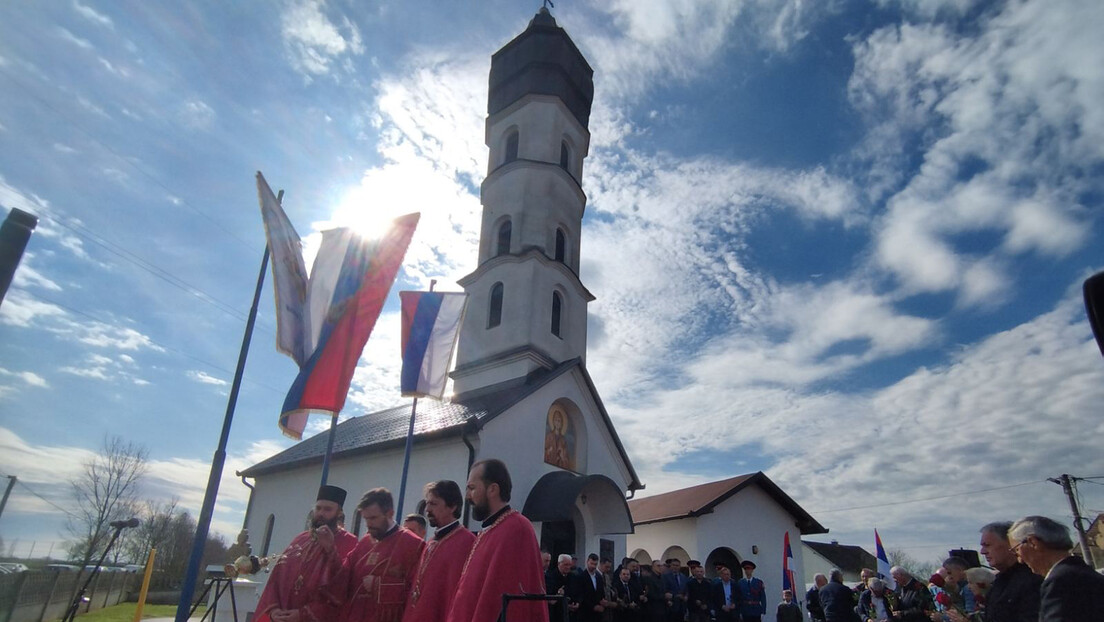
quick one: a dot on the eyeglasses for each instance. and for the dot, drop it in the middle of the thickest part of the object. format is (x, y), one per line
(1016, 549)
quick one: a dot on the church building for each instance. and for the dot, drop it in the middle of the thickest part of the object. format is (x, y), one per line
(521, 388)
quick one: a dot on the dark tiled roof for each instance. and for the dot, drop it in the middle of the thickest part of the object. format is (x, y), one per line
(701, 499)
(435, 419)
(846, 557)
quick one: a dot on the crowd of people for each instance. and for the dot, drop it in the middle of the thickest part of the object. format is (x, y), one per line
(393, 574)
(1032, 577)
(656, 592)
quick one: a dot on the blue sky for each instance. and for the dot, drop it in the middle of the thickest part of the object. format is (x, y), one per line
(841, 242)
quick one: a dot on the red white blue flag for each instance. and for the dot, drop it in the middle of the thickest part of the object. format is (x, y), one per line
(883, 562)
(430, 325)
(788, 582)
(349, 283)
(289, 275)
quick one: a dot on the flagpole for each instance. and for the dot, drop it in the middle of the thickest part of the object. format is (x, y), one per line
(409, 440)
(329, 450)
(203, 524)
(406, 458)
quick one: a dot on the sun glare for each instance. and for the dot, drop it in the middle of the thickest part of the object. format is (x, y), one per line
(366, 212)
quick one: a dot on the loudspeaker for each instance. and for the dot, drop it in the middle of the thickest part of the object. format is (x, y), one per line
(1094, 306)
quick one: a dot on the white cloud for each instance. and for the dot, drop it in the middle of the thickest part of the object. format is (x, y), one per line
(93, 16)
(1007, 125)
(197, 114)
(314, 43)
(28, 377)
(205, 378)
(66, 35)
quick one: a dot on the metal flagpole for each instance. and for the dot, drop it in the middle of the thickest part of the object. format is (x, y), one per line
(409, 441)
(187, 591)
(406, 458)
(329, 450)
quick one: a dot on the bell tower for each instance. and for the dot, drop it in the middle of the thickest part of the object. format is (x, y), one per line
(527, 308)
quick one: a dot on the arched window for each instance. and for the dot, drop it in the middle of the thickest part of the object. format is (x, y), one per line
(504, 231)
(561, 246)
(565, 156)
(494, 318)
(511, 147)
(557, 307)
(267, 534)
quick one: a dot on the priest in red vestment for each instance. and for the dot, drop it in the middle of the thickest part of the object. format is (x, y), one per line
(375, 579)
(444, 556)
(505, 558)
(293, 592)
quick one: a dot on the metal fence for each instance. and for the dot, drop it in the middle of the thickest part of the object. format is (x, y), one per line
(44, 595)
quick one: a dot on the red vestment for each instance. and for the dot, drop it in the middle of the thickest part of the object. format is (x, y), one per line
(505, 559)
(376, 577)
(296, 580)
(438, 573)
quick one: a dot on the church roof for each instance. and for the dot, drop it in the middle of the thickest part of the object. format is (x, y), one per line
(387, 428)
(698, 500)
(846, 557)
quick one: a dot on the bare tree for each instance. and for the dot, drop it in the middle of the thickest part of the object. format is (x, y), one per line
(918, 569)
(106, 491)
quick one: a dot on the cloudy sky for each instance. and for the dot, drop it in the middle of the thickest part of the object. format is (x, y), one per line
(840, 242)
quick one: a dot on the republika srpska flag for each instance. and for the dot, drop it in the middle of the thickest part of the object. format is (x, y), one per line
(430, 325)
(788, 582)
(325, 330)
(883, 563)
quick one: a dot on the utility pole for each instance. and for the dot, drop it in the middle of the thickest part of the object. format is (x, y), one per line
(7, 491)
(1067, 486)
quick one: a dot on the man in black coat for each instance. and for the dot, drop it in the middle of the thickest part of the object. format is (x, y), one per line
(837, 600)
(1014, 595)
(699, 593)
(588, 588)
(1071, 591)
(557, 581)
(725, 597)
(812, 598)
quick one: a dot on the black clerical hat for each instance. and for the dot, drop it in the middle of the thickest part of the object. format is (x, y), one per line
(332, 493)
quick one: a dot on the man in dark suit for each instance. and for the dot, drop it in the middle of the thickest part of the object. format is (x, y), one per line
(1014, 596)
(699, 594)
(557, 581)
(674, 591)
(1071, 591)
(837, 600)
(726, 597)
(588, 588)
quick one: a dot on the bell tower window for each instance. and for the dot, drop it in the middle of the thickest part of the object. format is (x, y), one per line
(511, 147)
(561, 246)
(557, 307)
(565, 156)
(494, 317)
(504, 232)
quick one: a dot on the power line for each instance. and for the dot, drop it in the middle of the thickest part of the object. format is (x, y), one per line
(56, 506)
(957, 494)
(156, 343)
(151, 268)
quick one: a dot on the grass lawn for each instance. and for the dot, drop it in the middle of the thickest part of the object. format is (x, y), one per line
(124, 612)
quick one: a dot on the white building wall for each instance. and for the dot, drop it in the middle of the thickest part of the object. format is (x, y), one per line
(655, 538)
(290, 495)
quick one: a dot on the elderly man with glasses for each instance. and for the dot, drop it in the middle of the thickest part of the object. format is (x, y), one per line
(1071, 590)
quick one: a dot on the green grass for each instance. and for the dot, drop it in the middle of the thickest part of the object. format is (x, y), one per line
(124, 612)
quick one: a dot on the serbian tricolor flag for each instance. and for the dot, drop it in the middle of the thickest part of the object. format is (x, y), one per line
(788, 582)
(430, 325)
(348, 286)
(883, 562)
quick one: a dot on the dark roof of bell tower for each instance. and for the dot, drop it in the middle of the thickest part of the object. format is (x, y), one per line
(542, 60)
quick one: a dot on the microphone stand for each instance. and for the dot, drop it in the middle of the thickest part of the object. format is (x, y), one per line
(69, 615)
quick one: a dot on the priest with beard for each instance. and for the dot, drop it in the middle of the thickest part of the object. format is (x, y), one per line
(293, 592)
(505, 558)
(444, 556)
(375, 579)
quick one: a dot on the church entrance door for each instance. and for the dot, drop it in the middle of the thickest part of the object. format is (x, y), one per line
(558, 537)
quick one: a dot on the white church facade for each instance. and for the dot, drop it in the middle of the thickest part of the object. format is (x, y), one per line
(522, 392)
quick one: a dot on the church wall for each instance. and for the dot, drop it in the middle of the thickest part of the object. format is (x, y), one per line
(517, 437)
(753, 518)
(290, 495)
(655, 538)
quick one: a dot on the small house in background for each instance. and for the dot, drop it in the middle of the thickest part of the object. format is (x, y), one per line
(821, 557)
